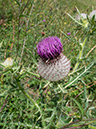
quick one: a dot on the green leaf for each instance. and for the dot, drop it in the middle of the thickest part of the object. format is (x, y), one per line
(93, 19)
(79, 23)
(50, 119)
(78, 11)
(23, 15)
(75, 79)
(17, 2)
(63, 121)
(34, 60)
(48, 109)
(3, 94)
(92, 127)
(79, 107)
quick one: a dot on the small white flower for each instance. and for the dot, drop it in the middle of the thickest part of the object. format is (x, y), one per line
(92, 14)
(81, 44)
(83, 16)
(8, 62)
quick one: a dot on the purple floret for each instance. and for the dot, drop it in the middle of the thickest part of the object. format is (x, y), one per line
(68, 33)
(44, 20)
(49, 48)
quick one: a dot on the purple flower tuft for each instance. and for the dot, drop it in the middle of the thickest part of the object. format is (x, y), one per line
(49, 48)
(44, 20)
(68, 33)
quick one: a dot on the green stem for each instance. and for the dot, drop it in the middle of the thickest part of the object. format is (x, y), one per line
(80, 75)
(85, 97)
(34, 74)
(89, 105)
(78, 121)
(74, 19)
(80, 54)
(61, 88)
(35, 104)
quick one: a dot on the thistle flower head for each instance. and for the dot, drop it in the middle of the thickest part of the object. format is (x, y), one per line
(53, 65)
(93, 13)
(49, 48)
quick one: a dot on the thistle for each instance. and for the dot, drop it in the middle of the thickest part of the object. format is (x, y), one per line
(53, 65)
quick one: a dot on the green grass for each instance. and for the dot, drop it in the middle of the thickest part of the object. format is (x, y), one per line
(50, 105)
